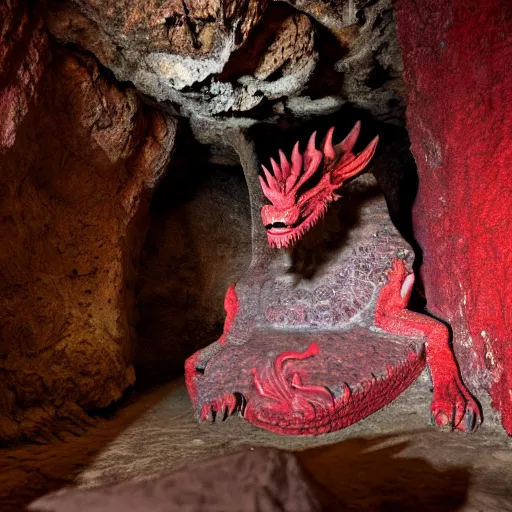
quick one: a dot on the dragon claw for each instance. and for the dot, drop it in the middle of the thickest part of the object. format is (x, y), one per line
(222, 408)
(472, 420)
(454, 406)
(206, 413)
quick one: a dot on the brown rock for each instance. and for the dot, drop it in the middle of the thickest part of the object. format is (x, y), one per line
(189, 28)
(23, 51)
(182, 42)
(212, 58)
(294, 42)
(74, 190)
(262, 480)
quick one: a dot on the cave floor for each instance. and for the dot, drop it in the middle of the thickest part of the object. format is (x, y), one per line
(393, 452)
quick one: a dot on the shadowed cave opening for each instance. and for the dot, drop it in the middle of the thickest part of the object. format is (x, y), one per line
(198, 243)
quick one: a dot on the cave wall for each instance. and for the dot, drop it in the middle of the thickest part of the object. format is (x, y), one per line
(458, 74)
(243, 58)
(79, 155)
(198, 244)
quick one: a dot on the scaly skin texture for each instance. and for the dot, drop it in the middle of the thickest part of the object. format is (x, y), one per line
(282, 399)
(452, 404)
(286, 404)
(292, 214)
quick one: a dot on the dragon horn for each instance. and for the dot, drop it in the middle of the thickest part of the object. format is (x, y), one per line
(296, 168)
(285, 165)
(355, 165)
(327, 146)
(276, 169)
(347, 144)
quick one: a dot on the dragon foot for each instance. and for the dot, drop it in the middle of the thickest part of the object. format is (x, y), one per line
(452, 405)
(223, 407)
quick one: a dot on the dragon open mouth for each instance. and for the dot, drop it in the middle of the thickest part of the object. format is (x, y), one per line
(277, 226)
(280, 234)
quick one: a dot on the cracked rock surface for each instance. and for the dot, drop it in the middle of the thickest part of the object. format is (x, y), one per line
(79, 157)
(256, 59)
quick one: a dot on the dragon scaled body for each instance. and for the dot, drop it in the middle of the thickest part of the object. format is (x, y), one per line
(319, 356)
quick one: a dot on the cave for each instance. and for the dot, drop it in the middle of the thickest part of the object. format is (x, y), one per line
(198, 243)
(212, 301)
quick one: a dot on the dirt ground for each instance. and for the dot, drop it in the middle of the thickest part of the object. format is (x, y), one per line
(394, 456)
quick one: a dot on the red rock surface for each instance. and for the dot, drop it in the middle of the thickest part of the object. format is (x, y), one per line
(458, 73)
(79, 155)
(23, 50)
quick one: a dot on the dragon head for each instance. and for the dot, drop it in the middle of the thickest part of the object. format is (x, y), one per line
(296, 208)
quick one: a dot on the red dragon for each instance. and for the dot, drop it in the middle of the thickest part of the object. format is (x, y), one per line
(292, 213)
(300, 390)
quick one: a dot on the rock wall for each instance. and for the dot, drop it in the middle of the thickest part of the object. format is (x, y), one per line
(79, 157)
(252, 58)
(458, 74)
(198, 244)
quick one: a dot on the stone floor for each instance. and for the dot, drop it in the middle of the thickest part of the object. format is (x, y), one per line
(393, 460)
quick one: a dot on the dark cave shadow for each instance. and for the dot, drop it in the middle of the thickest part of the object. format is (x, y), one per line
(188, 259)
(373, 475)
(325, 239)
(157, 303)
(38, 469)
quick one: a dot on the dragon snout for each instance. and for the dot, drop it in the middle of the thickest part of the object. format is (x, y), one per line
(274, 218)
